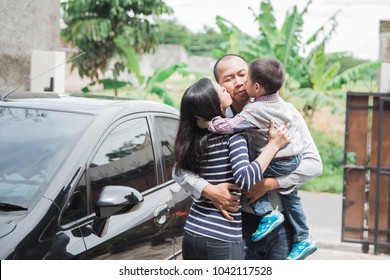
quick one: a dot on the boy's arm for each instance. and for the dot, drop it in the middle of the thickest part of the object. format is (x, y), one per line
(229, 125)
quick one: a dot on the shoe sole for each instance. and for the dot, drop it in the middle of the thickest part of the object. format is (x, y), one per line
(305, 253)
(277, 223)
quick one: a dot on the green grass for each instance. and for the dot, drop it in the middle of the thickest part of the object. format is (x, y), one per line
(329, 183)
(332, 155)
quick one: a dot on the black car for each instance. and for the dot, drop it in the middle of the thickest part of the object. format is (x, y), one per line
(82, 178)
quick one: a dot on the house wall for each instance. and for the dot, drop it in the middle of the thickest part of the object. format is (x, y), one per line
(384, 55)
(25, 25)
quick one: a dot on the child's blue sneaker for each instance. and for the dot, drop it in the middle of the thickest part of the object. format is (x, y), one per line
(267, 224)
(300, 250)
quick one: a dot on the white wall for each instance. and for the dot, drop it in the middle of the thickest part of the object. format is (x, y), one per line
(46, 65)
(384, 78)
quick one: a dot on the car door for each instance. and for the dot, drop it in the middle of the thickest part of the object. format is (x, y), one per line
(127, 157)
(165, 127)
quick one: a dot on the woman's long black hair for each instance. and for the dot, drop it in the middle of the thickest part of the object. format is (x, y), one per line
(200, 99)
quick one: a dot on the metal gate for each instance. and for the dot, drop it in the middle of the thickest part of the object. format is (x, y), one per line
(366, 184)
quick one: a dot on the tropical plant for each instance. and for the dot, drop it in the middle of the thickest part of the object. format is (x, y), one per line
(325, 84)
(154, 83)
(308, 74)
(111, 33)
(285, 44)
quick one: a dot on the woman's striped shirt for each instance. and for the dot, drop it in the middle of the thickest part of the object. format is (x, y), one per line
(226, 160)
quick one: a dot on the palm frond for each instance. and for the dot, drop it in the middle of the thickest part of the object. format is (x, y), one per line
(162, 74)
(352, 74)
(291, 33)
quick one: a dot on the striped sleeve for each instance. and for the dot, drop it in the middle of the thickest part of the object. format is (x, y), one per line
(245, 173)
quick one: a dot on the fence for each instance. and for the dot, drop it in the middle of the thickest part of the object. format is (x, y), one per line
(366, 186)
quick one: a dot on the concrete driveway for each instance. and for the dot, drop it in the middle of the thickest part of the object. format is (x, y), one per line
(323, 212)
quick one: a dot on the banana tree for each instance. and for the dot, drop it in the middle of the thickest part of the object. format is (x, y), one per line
(127, 59)
(284, 44)
(153, 83)
(325, 86)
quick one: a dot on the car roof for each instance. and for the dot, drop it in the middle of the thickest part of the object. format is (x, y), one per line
(82, 104)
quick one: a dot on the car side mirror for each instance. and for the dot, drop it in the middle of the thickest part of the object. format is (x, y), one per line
(113, 200)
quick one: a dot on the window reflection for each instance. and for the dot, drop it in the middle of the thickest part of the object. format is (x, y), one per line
(125, 158)
(166, 129)
(34, 143)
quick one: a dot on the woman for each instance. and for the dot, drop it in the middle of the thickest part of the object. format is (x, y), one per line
(216, 158)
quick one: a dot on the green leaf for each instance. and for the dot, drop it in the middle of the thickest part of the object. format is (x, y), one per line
(352, 74)
(113, 84)
(330, 73)
(237, 42)
(85, 89)
(291, 32)
(318, 67)
(267, 23)
(131, 56)
(157, 90)
(322, 35)
(162, 74)
(169, 100)
(92, 26)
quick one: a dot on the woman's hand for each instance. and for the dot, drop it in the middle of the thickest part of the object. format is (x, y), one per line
(202, 123)
(278, 137)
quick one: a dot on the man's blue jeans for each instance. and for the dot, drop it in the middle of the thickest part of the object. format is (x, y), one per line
(274, 246)
(198, 247)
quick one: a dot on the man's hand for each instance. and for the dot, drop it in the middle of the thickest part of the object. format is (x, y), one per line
(222, 198)
(260, 189)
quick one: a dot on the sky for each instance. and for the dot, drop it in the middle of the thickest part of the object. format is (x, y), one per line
(358, 20)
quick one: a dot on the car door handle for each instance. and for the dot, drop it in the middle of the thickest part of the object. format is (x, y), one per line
(161, 210)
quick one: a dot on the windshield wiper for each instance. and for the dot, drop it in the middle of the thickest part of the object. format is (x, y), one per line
(11, 207)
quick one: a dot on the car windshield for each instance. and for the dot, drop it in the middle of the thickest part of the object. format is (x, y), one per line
(33, 145)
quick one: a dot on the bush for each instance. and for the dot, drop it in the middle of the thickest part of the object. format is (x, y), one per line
(332, 155)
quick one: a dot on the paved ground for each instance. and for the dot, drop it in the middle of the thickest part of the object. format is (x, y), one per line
(323, 212)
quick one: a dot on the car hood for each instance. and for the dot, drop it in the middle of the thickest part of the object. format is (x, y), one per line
(6, 228)
(8, 223)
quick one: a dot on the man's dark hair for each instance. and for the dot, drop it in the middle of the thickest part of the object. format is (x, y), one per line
(222, 58)
(267, 72)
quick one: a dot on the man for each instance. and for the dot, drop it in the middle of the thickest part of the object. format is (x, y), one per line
(230, 71)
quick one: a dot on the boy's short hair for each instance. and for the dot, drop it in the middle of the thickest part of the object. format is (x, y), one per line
(267, 72)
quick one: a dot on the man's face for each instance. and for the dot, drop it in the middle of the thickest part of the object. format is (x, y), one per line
(232, 74)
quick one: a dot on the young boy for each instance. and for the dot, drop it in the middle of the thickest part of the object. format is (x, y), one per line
(265, 78)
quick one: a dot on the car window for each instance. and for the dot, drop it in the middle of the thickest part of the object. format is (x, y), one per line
(125, 158)
(34, 143)
(166, 129)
